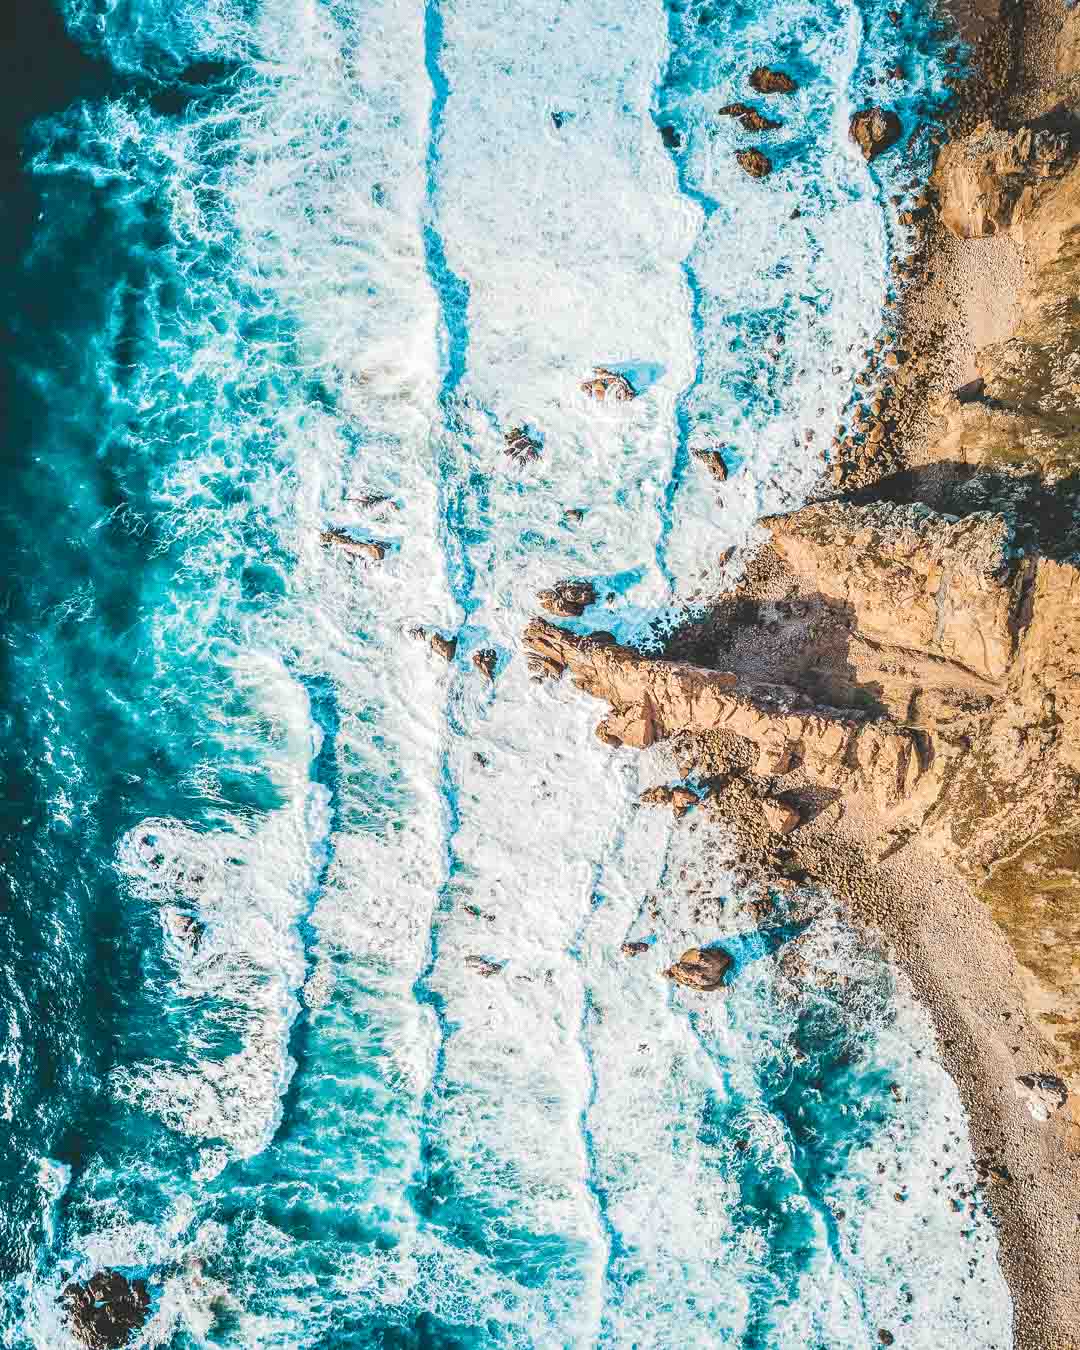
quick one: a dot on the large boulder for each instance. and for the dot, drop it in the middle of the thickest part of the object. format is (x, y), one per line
(701, 968)
(763, 80)
(107, 1310)
(755, 162)
(875, 130)
(568, 599)
(991, 181)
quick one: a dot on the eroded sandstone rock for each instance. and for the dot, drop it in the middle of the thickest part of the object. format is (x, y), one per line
(764, 80)
(360, 548)
(875, 130)
(701, 968)
(755, 162)
(990, 182)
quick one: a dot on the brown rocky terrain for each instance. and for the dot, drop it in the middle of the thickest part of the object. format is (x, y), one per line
(888, 703)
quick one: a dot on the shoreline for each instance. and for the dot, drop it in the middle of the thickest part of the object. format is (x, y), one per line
(964, 296)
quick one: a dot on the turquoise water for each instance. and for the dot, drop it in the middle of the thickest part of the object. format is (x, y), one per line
(262, 261)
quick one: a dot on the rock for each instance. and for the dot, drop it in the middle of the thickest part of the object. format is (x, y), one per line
(885, 1337)
(756, 164)
(713, 461)
(568, 599)
(634, 948)
(362, 548)
(988, 1170)
(875, 130)
(107, 1310)
(443, 646)
(680, 799)
(608, 386)
(766, 81)
(1042, 1093)
(782, 818)
(485, 662)
(481, 966)
(574, 514)
(750, 118)
(701, 968)
(671, 138)
(521, 447)
(991, 181)
(373, 501)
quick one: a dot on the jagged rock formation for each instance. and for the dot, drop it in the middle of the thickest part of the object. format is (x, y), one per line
(875, 130)
(702, 969)
(358, 548)
(106, 1311)
(568, 599)
(751, 119)
(916, 666)
(990, 181)
(766, 81)
(608, 386)
(754, 162)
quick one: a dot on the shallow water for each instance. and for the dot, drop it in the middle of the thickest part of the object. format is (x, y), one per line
(266, 259)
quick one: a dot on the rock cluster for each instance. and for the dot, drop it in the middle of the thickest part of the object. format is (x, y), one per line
(749, 117)
(521, 447)
(107, 1310)
(568, 599)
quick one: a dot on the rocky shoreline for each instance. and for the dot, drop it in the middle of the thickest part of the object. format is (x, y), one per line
(888, 704)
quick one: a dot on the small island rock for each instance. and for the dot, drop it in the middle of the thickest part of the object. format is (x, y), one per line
(701, 968)
(875, 130)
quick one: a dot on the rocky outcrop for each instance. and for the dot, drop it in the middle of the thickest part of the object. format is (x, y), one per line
(701, 968)
(755, 162)
(764, 80)
(108, 1310)
(680, 799)
(1043, 1094)
(608, 386)
(480, 965)
(521, 447)
(991, 181)
(875, 130)
(443, 646)
(568, 599)
(634, 948)
(713, 462)
(751, 119)
(486, 660)
(358, 548)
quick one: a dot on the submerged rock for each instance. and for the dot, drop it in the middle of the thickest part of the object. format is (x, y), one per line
(756, 163)
(568, 599)
(1042, 1093)
(701, 968)
(751, 119)
(485, 662)
(521, 447)
(875, 130)
(482, 966)
(763, 80)
(107, 1310)
(608, 386)
(362, 548)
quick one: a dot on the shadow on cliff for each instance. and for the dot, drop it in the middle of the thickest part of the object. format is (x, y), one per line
(1046, 516)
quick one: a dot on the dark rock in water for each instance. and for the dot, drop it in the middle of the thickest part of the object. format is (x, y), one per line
(608, 386)
(671, 138)
(750, 118)
(521, 447)
(701, 968)
(443, 646)
(603, 638)
(574, 514)
(485, 662)
(756, 164)
(362, 548)
(482, 966)
(372, 501)
(875, 130)
(766, 81)
(107, 1310)
(712, 460)
(634, 948)
(568, 599)
(560, 119)
(885, 1337)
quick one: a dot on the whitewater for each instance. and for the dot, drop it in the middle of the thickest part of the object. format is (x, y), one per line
(314, 258)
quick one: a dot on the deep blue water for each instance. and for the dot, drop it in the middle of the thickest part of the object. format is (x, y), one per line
(261, 260)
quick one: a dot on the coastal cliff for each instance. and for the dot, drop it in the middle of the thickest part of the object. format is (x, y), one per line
(888, 702)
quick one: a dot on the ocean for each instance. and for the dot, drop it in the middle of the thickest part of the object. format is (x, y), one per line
(279, 267)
